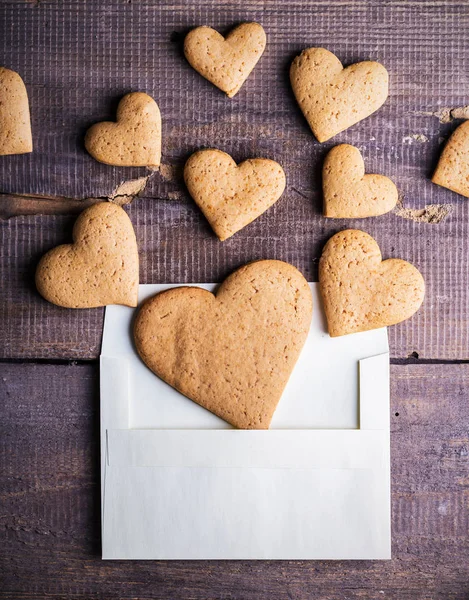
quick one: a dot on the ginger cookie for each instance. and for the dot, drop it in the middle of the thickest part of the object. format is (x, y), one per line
(99, 268)
(134, 140)
(231, 352)
(348, 192)
(225, 62)
(231, 196)
(452, 171)
(333, 98)
(15, 123)
(362, 292)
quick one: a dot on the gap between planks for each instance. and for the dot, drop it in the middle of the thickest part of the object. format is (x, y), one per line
(93, 361)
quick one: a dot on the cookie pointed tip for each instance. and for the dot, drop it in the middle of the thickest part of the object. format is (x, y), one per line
(322, 138)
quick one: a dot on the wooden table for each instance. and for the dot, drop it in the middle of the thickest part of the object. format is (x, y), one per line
(77, 59)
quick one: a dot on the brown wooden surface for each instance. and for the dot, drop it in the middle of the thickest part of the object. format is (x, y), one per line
(50, 543)
(77, 59)
(176, 245)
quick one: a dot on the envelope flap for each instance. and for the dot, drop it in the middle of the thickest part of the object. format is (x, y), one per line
(374, 392)
(331, 449)
(115, 392)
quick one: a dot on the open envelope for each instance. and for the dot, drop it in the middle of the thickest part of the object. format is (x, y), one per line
(180, 483)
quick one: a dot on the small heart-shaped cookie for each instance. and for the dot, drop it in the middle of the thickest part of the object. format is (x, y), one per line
(333, 98)
(362, 292)
(348, 192)
(231, 352)
(225, 62)
(452, 171)
(231, 196)
(99, 268)
(15, 123)
(134, 140)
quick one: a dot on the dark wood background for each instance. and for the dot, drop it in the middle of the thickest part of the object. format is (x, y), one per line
(77, 59)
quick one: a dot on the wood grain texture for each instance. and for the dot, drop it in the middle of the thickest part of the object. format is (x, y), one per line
(12, 205)
(177, 245)
(49, 492)
(78, 58)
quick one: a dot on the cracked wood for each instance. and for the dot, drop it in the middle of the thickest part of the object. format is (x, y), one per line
(79, 63)
(77, 60)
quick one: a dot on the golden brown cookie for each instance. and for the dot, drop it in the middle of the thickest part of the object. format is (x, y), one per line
(231, 352)
(99, 268)
(134, 140)
(452, 171)
(348, 192)
(15, 123)
(225, 62)
(362, 292)
(231, 196)
(333, 98)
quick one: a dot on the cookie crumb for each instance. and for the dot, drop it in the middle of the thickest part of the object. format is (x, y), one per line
(171, 172)
(460, 113)
(126, 191)
(447, 114)
(418, 138)
(430, 213)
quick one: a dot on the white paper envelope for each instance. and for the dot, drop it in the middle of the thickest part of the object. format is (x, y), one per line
(180, 483)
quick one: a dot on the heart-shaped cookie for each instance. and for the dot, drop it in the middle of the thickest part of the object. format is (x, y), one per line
(231, 352)
(452, 171)
(225, 62)
(15, 123)
(333, 98)
(134, 140)
(99, 268)
(362, 292)
(348, 192)
(231, 196)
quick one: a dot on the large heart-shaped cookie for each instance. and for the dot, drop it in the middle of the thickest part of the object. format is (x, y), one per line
(231, 352)
(225, 62)
(333, 98)
(452, 171)
(134, 140)
(15, 124)
(348, 192)
(231, 196)
(99, 268)
(362, 292)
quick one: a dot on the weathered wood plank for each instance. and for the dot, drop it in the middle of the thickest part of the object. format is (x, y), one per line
(12, 205)
(176, 245)
(78, 58)
(49, 492)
